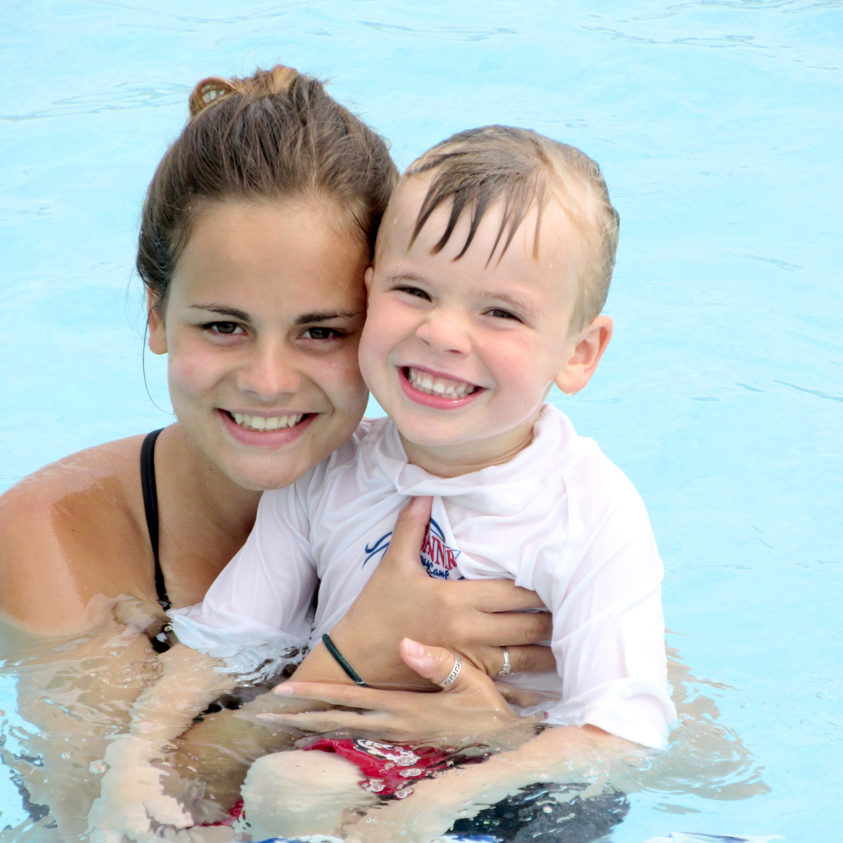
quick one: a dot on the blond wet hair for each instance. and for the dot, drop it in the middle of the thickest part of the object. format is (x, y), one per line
(474, 169)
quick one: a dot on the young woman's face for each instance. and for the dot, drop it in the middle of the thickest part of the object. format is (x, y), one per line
(261, 325)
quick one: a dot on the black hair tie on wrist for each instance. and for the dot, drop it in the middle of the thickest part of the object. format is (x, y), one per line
(340, 659)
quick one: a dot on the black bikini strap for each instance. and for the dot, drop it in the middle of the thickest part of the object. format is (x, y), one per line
(150, 506)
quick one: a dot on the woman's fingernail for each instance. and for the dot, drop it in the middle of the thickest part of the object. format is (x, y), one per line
(284, 689)
(413, 648)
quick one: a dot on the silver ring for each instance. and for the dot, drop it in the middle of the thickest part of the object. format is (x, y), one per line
(452, 676)
(507, 664)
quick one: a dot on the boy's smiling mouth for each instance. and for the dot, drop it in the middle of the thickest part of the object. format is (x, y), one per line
(437, 385)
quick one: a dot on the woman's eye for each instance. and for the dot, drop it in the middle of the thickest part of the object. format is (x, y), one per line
(223, 328)
(321, 334)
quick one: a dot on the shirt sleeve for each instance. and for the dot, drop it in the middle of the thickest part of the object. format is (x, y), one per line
(608, 623)
(258, 612)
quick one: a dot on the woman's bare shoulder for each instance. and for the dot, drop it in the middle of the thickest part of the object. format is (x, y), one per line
(77, 477)
(70, 532)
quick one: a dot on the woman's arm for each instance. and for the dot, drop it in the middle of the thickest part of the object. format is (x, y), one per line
(132, 800)
(132, 795)
(218, 750)
(475, 714)
(73, 696)
(475, 618)
(471, 711)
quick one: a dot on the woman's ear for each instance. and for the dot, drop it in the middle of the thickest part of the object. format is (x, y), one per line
(589, 346)
(155, 324)
(367, 277)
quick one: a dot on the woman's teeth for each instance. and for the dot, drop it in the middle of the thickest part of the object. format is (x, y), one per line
(443, 387)
(266, 422)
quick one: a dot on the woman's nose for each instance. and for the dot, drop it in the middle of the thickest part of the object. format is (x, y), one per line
(445, 331)
(270, 372)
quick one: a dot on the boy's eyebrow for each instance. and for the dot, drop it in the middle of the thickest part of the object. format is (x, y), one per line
(522, 304)
(406, 276)
(303, 319)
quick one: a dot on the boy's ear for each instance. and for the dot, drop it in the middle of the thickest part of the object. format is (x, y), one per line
(155, 323)
(367, 277)
(588, 349)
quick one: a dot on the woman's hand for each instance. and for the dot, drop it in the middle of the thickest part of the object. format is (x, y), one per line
(469, 712)
(476, 618)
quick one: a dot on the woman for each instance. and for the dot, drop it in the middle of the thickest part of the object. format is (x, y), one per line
(271, 182)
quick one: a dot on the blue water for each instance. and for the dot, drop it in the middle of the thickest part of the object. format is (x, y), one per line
(718, 127)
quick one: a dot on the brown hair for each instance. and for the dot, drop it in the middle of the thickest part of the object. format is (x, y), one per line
(274, 135)
(476, 168)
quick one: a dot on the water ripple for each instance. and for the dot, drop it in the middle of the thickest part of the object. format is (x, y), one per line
(121, 98)
(825, 395)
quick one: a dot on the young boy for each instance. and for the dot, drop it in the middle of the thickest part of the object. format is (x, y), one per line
(491, 269)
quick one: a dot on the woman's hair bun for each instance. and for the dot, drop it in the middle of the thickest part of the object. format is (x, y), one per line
(278, 79)
(207, 91)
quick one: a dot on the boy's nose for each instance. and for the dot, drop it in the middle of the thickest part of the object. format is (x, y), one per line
(269, 373)
(445, 332)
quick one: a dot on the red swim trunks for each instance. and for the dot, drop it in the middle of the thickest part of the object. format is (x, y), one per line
(233, 816)
(387, 768)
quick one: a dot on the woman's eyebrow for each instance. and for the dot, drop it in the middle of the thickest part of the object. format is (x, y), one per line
(326, 316)
(222, 310)
(303, 319)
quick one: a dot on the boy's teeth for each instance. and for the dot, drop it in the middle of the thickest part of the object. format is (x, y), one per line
(266, 423)
(444, 387)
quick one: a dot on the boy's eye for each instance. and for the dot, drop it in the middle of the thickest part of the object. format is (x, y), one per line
(410, 290)
(499, 313)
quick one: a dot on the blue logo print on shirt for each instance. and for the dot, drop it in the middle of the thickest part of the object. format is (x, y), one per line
(439, 560)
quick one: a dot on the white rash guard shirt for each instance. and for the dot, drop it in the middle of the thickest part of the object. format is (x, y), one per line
(559, 518)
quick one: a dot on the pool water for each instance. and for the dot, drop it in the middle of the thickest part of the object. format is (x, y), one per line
(717, 124)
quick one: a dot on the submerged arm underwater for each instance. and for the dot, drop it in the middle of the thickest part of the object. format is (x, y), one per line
(522, 753)
(132, 795)
(74, 695)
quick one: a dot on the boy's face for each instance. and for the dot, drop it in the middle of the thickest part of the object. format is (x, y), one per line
(461, 353)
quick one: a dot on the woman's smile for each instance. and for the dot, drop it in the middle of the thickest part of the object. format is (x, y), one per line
(252, 422)
(271, 432)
